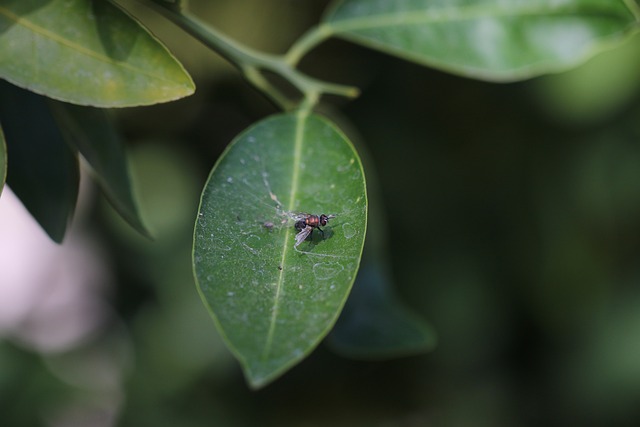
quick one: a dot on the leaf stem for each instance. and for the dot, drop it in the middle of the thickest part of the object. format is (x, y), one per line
(313, 37)
(252, 62)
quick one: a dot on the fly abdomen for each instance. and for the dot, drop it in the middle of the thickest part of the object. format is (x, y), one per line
(307, 223)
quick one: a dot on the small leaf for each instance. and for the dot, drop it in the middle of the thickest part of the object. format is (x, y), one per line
(3, 161)
(90, 132)
(42, 170)
(274, 302)
(498, 40)
(86, 52)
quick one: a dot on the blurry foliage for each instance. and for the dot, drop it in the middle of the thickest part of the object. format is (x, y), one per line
(513, 217)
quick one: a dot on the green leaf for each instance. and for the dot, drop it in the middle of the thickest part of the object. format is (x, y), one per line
(86, 52)
(90, 132)
(42, 170)
(596, 91)
(274, 302)
(375, 324)
(498, 40)
(3, 160)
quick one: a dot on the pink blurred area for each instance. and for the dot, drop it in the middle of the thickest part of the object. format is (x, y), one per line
(51, 296)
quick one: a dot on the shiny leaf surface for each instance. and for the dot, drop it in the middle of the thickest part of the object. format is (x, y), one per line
(86, 52)
(498, 40)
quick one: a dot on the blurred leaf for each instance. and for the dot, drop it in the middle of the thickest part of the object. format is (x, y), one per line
(91, 133)
(42, 170)
(3, 161)
(597, 90)
(499, 40)
(168, 181)
(274, 303)
(86, 52)
(602, 372)
(375, 324)
(27, 385)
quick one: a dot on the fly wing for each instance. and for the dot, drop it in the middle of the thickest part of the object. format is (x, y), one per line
(302, 235)
(298, 215)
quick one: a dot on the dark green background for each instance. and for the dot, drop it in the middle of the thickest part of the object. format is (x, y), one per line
(513, 226)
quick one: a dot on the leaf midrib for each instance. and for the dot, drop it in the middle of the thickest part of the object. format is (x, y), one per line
(45, 33)
(301, 117)
(445, 15)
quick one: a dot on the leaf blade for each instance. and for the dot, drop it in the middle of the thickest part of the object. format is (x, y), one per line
(87, 53)
(485, 39)
(42, 171)
(375, 324)
(272, 302)
(90, 132)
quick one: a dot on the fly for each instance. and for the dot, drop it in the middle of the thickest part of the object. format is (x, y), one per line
(306, 223)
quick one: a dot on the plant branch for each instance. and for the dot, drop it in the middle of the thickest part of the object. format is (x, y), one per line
(252, 62)
(313, 37)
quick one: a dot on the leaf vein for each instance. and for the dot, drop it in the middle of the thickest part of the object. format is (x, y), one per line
(297, 156)
(446, 15)
(47, 34)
